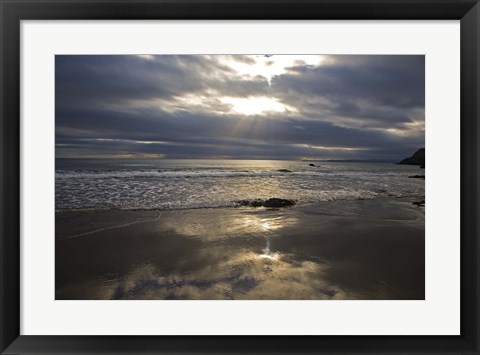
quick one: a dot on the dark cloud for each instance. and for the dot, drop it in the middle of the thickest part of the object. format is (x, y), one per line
(365, 107)
(102, 80)
(376, 90)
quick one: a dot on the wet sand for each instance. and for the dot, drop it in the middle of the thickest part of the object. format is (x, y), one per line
(370, 249)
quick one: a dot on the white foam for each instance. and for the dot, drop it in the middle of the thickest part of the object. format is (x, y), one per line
(178, 188)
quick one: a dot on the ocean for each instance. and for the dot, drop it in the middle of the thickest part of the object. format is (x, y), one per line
(167, 184)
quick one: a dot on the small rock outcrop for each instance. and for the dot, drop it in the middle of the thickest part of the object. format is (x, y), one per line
(311, 164)
(278, 202)
(284, 170)
(418, 158)
(271, 202)
(251, 203)
(417, 177)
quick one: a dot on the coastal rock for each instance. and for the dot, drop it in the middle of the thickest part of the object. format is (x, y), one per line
(422, 166)
(311, 164)
(419, 203)
(284, 170)
(278, 202)
(418, 158)
(251, 203)
(271, 202)
(417, 177)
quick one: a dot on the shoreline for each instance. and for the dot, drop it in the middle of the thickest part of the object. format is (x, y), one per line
(238, 204)
(344, 249)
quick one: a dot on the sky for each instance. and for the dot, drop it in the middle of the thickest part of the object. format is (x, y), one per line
(262, 106)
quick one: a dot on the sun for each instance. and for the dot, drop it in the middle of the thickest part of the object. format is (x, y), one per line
(255, 105)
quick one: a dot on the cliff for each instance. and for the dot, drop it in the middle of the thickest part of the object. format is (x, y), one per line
(418, 158)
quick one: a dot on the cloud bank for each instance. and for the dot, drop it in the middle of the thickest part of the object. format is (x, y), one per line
(240, 107)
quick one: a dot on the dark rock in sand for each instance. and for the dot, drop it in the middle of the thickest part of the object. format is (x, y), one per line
(256, 203)
(278, 202)
(284, 170)
(418, 158)
(311, 164)
(419, 203)
(271, 202)
(422, 166)
(417, 177)
(251, 203)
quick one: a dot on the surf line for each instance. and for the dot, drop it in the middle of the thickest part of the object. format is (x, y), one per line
(114, 227)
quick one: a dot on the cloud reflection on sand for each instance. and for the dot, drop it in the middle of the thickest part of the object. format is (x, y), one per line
(227, 226)
(240, 273)
(246, 253)
(246, 275)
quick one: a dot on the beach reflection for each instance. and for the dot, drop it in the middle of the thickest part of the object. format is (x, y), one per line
(233, 224)
(245, 275)
(245, 253)
(240, 264)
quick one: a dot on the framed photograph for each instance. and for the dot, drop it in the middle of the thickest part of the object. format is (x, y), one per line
(239, 177)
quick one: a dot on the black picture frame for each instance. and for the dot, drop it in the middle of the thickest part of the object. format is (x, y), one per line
(12, 12)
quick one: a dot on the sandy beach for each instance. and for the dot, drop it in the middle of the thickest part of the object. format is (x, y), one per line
(363, 249)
